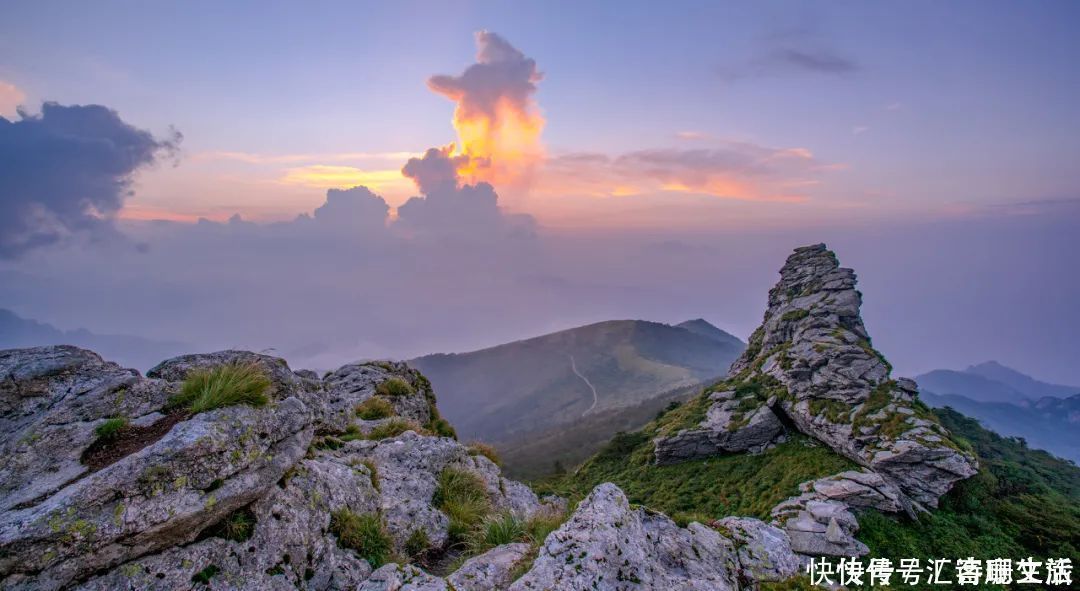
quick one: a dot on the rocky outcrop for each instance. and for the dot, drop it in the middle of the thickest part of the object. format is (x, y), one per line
(607, 544)
(162, 512)
(811, 365)
(813, 358)
(726, 428)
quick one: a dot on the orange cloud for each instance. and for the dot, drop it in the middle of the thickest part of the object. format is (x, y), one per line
(10, 98)
(733, 170)
(326, 176)
(498, 122)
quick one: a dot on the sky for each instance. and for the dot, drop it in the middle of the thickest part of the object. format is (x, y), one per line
(187, 172)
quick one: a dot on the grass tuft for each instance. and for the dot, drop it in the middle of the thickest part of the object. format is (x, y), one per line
(462, 496)
(478, 448)
(395, 427)
(364, 533)
(112, 428)
(418, 544)
(224, 385)
(374, 408)
(395, 387)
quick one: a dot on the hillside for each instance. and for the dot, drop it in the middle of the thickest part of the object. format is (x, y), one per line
(503, 393)
(127, 350)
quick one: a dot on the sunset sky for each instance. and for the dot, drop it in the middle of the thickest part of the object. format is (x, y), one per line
(936, 142)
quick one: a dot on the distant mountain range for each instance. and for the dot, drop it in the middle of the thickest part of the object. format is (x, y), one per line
(129, 351)
(562, 395)
(1011, 403)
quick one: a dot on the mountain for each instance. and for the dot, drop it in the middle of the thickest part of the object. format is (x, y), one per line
(991, 382)
(971, 386)
(810, 431)
(1025, 384)
(131, 351)
(513, 391)
(1010, 403)
(1048, 423)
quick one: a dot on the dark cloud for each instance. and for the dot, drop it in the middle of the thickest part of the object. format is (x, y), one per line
(450, 207)
(815, 60)
(502, 74)
(67, 171)
(356, 208)
(795, 50)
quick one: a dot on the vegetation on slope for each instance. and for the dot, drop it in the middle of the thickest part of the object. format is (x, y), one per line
(1023, 502)
(700, 490)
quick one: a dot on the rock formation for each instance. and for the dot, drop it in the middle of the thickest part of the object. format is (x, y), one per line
(810, 365)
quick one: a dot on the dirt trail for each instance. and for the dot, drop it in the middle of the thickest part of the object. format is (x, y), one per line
(595, 398)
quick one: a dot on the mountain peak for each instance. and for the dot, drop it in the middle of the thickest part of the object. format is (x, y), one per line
(702, 327)
(811, 366)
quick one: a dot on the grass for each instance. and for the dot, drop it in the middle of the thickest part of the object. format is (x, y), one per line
(111, 428)
(203, 577)
(736, 484)
(374, 408)
(224, 385)
(462, 496)
(496, 530)
(363, 533)
(478, 448)
(238, 526)
(395, 387)
(418, 544)
(395, 427)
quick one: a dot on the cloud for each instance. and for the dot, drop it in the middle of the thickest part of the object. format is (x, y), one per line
(68, 171)
(10, 99)
(449, 207)
(787, 52)
(497, 120)
(732, 170)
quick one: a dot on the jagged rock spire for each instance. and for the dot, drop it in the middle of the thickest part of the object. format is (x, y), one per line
(811, 365)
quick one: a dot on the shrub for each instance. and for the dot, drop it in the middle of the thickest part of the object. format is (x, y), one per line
(462, 496)
(478, 448)
(111, 428)
(365, 534)
(223, 385)
(418, 543)
(374, 408)
(393, 428)
(395, 387)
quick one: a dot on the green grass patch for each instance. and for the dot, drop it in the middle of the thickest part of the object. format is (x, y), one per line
(793, 315)
(374, 408)
(737, 484)
(395, 387)
(395, 427)
(363, 533)
(111, 428)
(462, 496)
(203, 577)
(418, 544)
(224, 385)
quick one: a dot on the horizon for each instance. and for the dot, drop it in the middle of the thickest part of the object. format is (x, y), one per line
(317, 182)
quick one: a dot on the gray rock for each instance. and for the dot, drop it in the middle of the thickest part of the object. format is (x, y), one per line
(490, 571)
(394, 577)
(721, 432)
(606, 545)
(764, 550)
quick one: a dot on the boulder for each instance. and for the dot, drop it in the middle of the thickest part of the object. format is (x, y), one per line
(606, 544)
